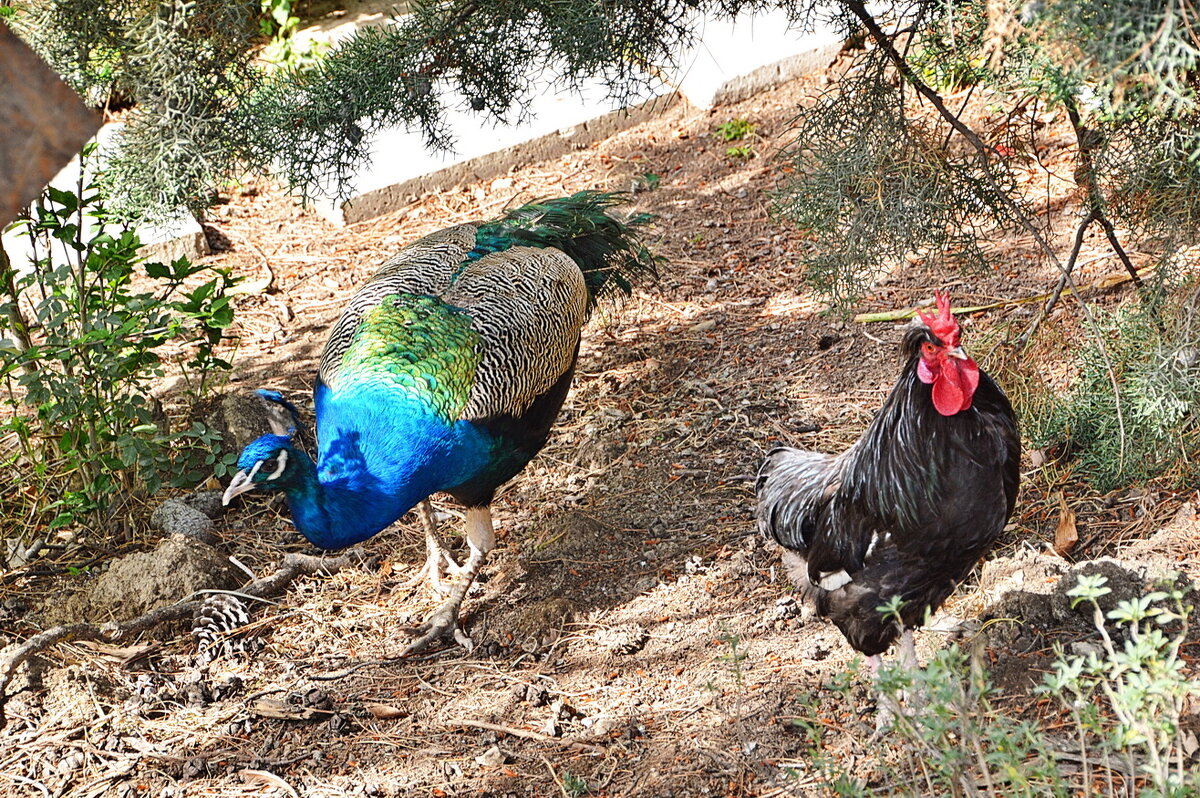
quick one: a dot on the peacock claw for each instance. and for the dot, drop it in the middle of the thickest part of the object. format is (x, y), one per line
(442, 622)
(437, 565)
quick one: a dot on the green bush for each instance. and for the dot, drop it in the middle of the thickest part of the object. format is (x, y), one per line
(1150, 427)
(1127, 701)
(87, 334)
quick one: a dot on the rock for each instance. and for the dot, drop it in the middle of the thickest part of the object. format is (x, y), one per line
(137, 583)
(240, 418)
(207, 502)
(492, 758)
(174, 517)
(622, 640)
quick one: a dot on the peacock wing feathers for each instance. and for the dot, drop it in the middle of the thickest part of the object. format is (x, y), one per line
(527, 305)
(424, 267)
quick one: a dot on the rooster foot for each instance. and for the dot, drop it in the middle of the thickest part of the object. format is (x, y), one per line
(885, 721)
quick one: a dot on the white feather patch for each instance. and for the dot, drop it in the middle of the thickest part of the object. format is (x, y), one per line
(279, 468)
(832, 580)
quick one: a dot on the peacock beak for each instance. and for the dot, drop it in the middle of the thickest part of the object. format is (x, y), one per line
(240, 483)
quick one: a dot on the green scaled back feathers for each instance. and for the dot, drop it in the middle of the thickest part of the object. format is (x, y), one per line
(419, 344)
(608, 251)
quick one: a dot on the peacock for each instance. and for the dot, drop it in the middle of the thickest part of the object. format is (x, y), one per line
(445, 373)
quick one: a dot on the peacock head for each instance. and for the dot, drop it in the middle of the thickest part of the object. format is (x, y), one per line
(269, 462)
(943, 363)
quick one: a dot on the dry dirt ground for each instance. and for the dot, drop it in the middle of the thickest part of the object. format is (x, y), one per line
(631, 633)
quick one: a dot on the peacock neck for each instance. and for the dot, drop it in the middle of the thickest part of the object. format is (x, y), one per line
(372, 469)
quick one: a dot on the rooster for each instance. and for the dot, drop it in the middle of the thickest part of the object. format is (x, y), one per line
(903, 514)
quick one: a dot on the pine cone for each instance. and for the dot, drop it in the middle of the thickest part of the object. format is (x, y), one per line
(213, 624)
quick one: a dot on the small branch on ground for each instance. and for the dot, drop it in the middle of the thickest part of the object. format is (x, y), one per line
(292, 567)
(526, 733)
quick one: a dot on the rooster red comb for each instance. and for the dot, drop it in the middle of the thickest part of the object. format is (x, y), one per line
(943, 325)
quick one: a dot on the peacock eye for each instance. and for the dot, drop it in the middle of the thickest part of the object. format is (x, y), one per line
(273, 466)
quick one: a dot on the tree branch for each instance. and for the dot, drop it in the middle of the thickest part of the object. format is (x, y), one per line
(1084, 224)
(981, 150)
(1087, 140)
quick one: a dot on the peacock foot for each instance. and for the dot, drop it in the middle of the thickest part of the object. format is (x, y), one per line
(442, 622)
(438, 564)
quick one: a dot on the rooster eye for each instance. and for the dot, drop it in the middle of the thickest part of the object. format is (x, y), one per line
(928, 349)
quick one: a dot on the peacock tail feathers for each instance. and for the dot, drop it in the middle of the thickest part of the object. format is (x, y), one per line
(418, 345)
(608, 251)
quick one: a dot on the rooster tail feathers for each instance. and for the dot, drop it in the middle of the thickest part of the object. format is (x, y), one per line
(608, 251)
(792, 486)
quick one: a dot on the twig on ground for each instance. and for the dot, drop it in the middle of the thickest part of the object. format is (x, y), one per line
(526, 733)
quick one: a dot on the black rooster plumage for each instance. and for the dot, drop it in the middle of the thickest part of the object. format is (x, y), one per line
(910, 507)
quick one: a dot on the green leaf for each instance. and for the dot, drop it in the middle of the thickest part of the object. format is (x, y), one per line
(68, 200)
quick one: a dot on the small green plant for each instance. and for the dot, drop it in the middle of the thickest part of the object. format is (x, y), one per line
(735, 656)
(735, 129)
(573, 785)
(741, 151)
(284, 50)
(647, 181)
(87, 326)
(1130, 697)
(1125, 701)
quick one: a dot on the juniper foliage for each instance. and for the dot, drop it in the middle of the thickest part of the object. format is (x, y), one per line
(204, 110)
(875, 180)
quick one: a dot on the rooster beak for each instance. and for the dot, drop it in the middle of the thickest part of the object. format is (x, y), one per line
(238, 485)
(958, 353)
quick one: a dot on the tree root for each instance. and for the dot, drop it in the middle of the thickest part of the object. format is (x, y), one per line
(293, 566)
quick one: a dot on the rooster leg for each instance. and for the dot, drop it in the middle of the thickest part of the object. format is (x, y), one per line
(914, 697)
(437, 557)
(885, 715)
(481, 538)
(908, 650)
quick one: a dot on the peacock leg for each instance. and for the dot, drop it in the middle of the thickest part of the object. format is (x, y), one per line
(438, 561)
(432, 569)
(481, 538)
